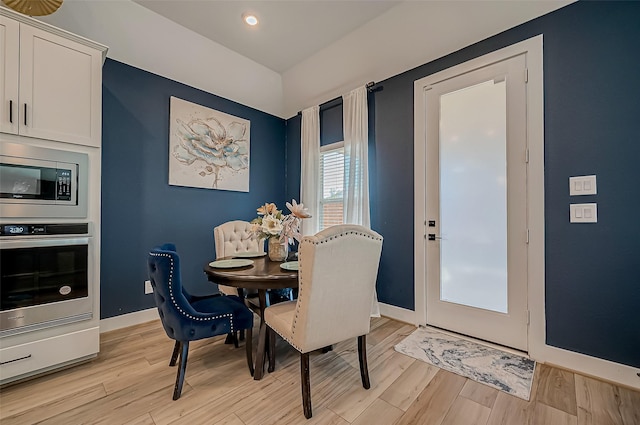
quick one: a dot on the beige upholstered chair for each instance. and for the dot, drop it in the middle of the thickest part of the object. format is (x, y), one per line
(232, 238)
(337, 277)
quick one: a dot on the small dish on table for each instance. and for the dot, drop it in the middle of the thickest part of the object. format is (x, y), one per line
(290, 265)
(249, 254)
(231, 263)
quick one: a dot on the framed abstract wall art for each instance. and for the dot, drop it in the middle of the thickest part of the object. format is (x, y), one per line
(207, 148)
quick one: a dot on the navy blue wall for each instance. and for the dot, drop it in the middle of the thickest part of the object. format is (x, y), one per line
(140, 209)
(592, 105)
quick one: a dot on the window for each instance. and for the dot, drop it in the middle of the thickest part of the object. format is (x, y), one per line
(332, 181)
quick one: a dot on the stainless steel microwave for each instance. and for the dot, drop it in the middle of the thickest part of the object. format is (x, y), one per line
(42, 183)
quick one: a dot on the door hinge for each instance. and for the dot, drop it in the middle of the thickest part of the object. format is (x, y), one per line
(527, 235)
(526, 75)
(528, 317)
(526, 156)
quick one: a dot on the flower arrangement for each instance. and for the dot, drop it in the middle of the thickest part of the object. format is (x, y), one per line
(271, 223)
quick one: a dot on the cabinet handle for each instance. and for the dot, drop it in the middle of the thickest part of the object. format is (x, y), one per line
(25, 114)
(15, 360)
(11, 111)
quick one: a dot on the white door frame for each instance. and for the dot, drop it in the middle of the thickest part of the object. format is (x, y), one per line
(532, 48)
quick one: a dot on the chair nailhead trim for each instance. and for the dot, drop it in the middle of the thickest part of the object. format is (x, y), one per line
(342, 234)
(301, 283)
(173, 300)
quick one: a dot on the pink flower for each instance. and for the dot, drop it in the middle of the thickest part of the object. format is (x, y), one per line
(298, 209)
(267, 209)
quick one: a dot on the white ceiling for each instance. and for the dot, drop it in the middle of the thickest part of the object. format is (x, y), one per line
(289, 31)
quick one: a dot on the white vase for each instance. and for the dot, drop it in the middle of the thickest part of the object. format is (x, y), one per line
(277, 250)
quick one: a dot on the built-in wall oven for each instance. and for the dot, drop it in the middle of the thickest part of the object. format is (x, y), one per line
(45, 239)
(45, 275)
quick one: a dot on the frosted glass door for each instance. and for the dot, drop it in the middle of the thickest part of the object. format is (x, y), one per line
(473, 196)
(476, 184)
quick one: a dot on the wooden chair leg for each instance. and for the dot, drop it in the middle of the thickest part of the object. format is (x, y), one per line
(177, 390)
(249, 350)
(235, 339)
(271, 335)
(306, 384)
(176, 351)
(362, 356)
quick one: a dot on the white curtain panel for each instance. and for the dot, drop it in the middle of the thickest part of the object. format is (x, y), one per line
(310, 169)
(356, 165)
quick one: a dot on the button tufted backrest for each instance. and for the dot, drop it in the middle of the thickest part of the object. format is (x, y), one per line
(235, 236)
(336, 281)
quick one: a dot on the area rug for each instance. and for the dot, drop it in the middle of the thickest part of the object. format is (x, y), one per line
(499, 369)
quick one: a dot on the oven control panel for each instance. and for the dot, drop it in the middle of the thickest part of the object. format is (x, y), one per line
(44, 229)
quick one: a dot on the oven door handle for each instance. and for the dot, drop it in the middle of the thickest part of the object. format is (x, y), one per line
(42, 242)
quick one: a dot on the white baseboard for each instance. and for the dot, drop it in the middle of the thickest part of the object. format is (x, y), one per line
(399, 313)
(130, 319)
(590, 366)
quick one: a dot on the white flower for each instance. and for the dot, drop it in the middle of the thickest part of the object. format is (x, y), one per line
(298, 209)
(271, 225)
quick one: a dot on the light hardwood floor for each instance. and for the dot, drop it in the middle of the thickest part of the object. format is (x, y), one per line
(131, 383)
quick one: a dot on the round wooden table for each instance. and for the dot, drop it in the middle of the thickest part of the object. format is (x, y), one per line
(263, 274)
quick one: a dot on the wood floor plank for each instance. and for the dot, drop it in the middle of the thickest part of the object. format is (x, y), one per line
(545, 415)
(556, 388)
(510, 410)
(466, 412)
(480, 393)
(283, 398)
(62, 404)
(379, 412)
(142, 420)
(601, 403)
(357, 399)
(198, 408)
(404, 390)
(48, 388)
(232, 419)
(123, 405)
(321, 416)
(434, 402)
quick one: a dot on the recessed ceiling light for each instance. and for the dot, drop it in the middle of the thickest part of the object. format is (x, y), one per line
(250, 19)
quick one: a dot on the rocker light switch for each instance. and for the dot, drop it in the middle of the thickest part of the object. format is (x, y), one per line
(582, 185)
(583, 213)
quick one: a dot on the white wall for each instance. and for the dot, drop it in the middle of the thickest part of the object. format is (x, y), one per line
(408, 35)
(146, 40)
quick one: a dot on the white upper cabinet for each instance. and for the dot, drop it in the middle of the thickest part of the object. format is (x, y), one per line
(9, 56)
(51, 83)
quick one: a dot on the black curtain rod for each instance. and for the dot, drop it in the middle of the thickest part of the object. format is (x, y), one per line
(371, 88)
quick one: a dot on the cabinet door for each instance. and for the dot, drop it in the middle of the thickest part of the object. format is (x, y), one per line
(9, 55)
(60, 88)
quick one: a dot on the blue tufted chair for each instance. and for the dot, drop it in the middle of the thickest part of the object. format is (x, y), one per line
(188, 318)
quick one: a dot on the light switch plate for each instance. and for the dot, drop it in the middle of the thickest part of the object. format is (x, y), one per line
(583, 213)
(582, 185)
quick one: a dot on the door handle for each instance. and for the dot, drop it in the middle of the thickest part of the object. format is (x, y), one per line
(11, 111)
(25, 114)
